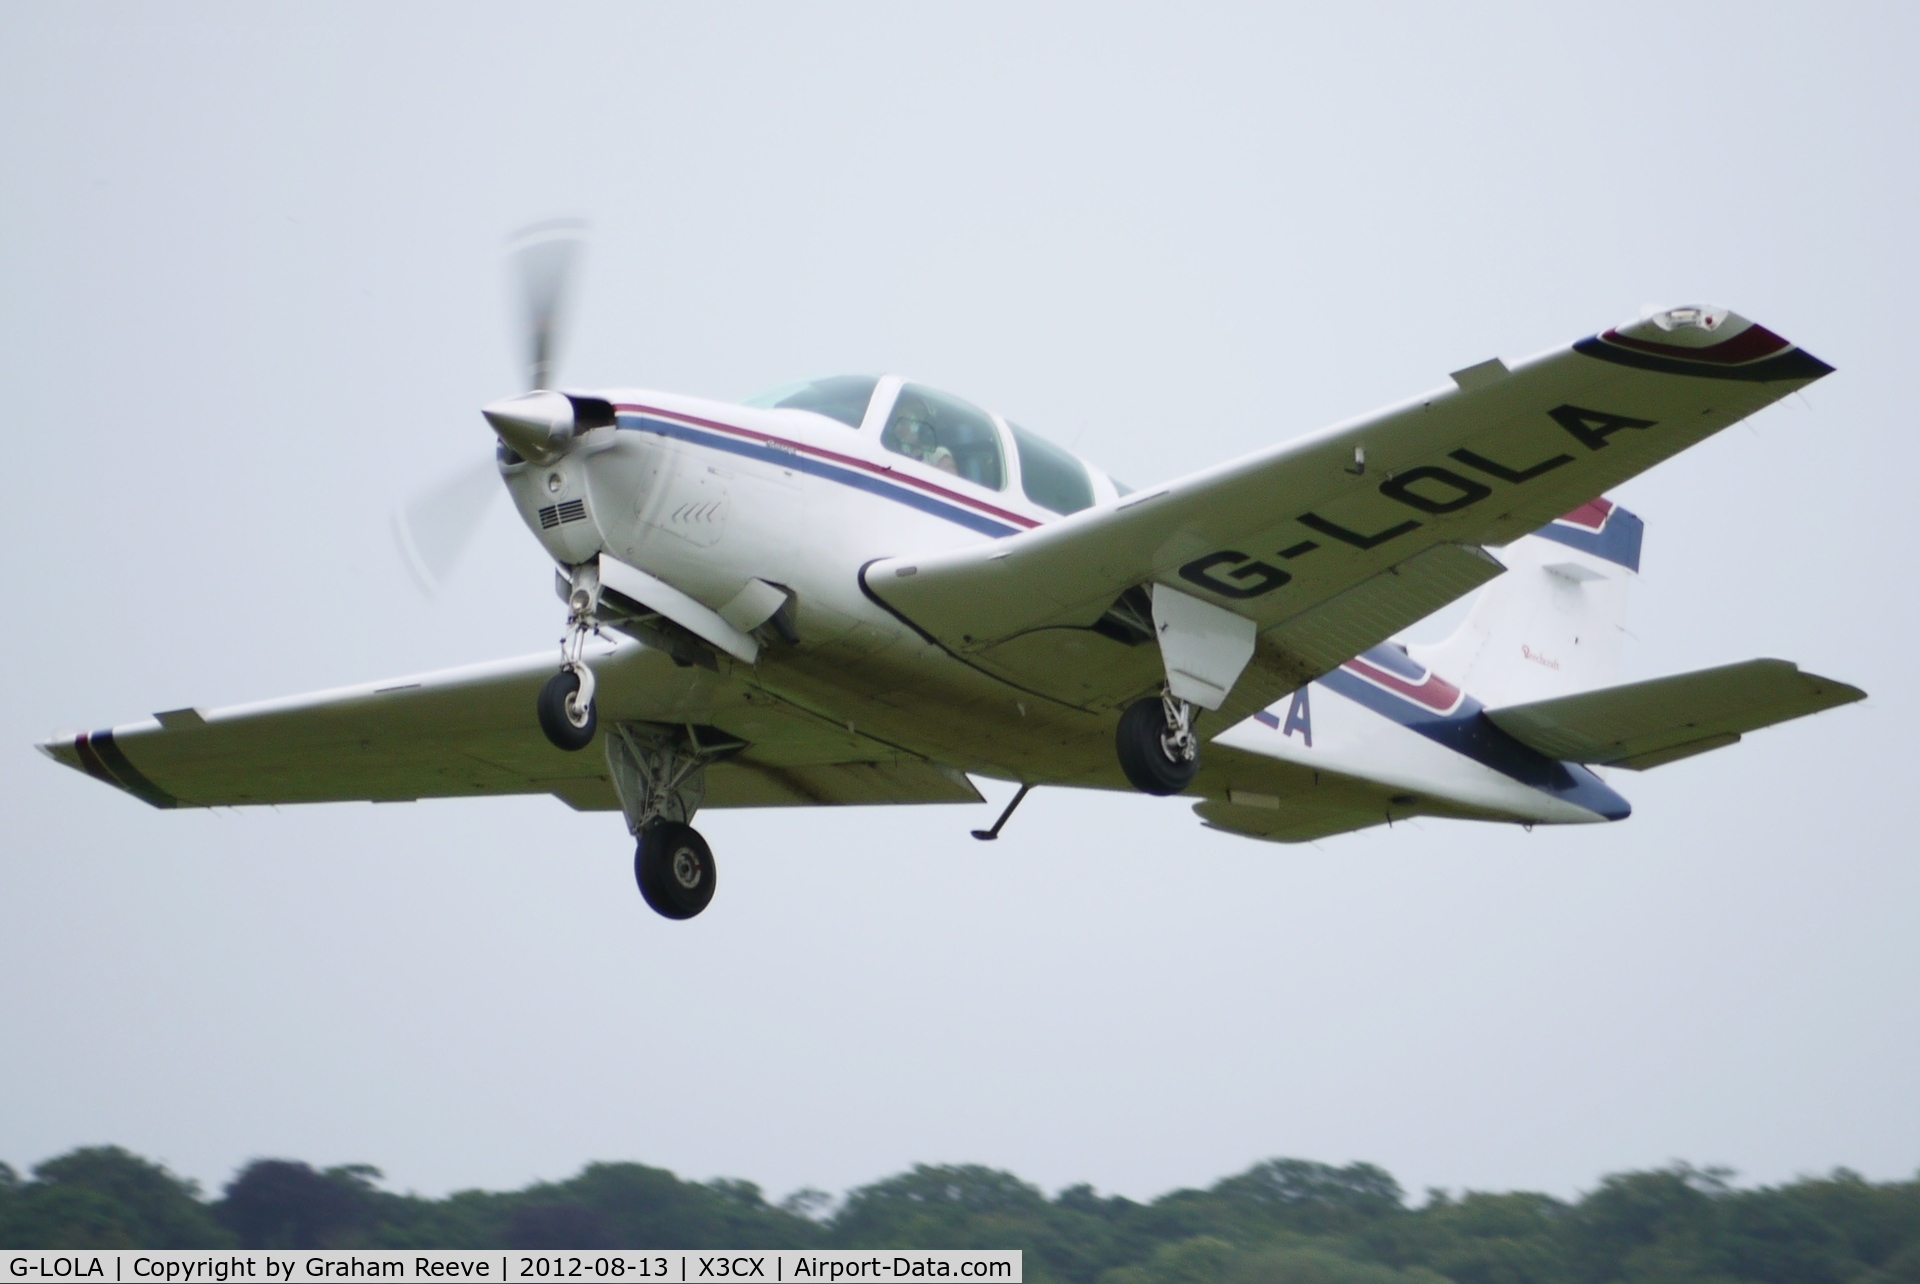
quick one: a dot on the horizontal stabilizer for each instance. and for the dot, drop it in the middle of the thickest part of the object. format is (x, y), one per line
(1647, 724)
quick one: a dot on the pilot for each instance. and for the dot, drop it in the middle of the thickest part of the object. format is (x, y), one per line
(913, 429)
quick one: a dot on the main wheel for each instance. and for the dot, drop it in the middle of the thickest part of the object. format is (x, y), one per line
(1153, 761)
(675, 870)
(567, 725)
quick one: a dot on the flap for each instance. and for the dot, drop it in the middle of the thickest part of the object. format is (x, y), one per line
(750, 781)
(1645, 724)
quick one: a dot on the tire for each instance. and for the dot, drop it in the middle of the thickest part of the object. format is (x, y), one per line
(552, 708)
(675, 869)
(1144, 757)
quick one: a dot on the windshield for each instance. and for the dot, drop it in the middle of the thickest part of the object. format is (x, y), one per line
(842, 397)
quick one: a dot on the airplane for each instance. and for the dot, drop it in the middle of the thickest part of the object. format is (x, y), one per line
(863, 590)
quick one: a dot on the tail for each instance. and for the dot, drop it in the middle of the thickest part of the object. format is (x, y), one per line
(1552, 625)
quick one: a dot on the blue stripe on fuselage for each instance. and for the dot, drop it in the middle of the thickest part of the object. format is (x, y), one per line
(800, 461)
(1470, 733)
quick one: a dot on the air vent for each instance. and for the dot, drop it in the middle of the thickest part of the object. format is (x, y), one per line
(572, 510)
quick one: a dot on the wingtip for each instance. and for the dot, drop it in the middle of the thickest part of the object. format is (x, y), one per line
(1706, 342)
(1832, 690)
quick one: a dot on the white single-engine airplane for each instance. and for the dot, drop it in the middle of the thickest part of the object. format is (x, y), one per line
(862, 590)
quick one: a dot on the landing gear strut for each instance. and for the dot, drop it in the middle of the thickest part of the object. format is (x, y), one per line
(565, 704)
(1157, 747)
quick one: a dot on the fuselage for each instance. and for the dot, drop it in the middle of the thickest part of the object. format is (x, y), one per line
(709, 496)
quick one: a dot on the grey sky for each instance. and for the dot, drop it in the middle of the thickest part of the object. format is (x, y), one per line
(253, 297)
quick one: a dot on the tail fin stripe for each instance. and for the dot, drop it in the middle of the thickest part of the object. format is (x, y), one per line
(1615, 536)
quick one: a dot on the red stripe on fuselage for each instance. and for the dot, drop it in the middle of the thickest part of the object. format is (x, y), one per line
(1431, 692)
(848, 461)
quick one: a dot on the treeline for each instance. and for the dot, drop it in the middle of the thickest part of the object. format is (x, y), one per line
(1287, 1221)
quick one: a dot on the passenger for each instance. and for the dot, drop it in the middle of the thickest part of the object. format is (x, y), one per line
(913, 428)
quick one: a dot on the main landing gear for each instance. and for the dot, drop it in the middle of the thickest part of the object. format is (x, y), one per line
(659, 774)
(1157, 747)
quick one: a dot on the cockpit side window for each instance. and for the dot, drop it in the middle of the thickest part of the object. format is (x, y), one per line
(948, 434)
(842, 397)
(1051, 477)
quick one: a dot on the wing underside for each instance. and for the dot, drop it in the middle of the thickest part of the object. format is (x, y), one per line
(471, 733)
(1332, 543)
(1288, 802)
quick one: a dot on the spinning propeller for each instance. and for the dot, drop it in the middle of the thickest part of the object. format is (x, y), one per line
(436, 526)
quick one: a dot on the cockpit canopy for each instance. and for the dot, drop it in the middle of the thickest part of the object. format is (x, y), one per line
(942, 431)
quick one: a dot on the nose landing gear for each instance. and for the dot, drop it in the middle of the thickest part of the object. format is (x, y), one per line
(1157, 747)
(565, 704)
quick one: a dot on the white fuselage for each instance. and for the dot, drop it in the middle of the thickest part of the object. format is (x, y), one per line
(709, 496)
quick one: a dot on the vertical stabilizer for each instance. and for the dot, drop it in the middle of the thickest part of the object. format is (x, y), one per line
(1552, 625)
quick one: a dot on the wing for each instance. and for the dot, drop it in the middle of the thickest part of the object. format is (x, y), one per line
(1289, 802)
(1284, 802)
(471, 731)
(1646, 724)
(1331, 543)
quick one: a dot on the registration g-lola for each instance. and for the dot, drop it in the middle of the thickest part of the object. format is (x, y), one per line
(864, 590)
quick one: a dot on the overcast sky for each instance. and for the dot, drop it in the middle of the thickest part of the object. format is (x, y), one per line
(253, 296)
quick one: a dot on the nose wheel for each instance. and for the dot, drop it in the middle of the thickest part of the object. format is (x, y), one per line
(675, 869)
(1157, 747)
(565, 706)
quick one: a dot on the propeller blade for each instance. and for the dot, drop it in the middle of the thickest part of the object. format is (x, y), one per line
(436, 526)
(545, 258)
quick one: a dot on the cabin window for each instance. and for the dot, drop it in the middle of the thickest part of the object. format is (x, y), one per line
(842, 397)
(945, 432)
(1052, 478)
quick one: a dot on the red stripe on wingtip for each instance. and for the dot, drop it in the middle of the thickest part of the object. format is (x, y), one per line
(90, 760)
(1751, 344)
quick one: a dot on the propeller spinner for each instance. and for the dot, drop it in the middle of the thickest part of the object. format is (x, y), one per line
(538, 425)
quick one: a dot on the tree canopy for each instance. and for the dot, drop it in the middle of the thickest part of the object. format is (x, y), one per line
(1284, 1221)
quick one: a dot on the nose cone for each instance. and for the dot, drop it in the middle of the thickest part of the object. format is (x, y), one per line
(536, 425)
